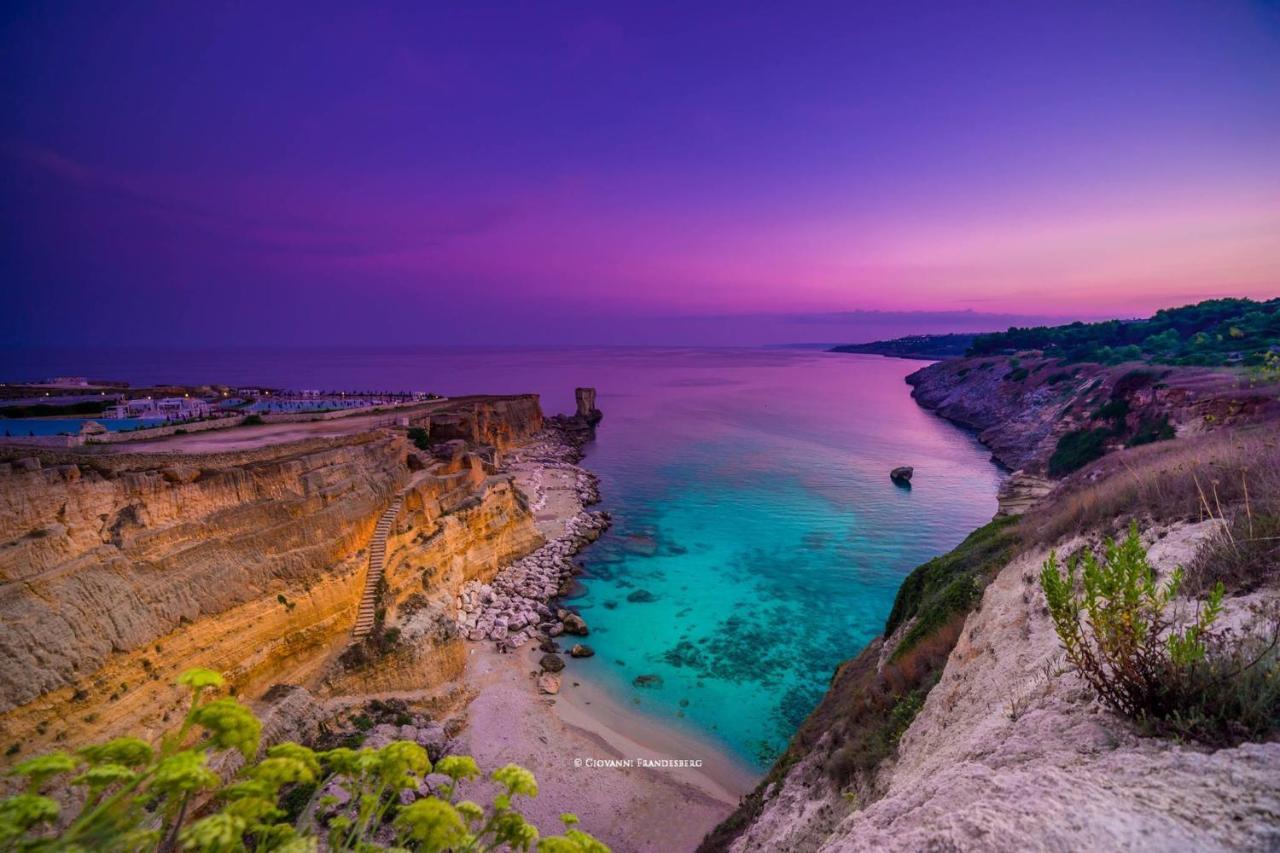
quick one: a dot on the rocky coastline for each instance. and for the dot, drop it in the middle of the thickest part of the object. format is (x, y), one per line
(1021, 406)
(514, 608)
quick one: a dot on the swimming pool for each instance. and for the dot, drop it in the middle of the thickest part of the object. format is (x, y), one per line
(70, 426)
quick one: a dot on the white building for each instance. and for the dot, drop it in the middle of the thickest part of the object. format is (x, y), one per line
(167, 408)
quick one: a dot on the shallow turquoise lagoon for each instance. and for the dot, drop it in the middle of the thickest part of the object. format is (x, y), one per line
(758, 540)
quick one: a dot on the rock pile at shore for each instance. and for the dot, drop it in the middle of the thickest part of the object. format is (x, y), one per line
(513, 609)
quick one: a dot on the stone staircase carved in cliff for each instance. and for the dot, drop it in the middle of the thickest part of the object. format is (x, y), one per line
(377, 560)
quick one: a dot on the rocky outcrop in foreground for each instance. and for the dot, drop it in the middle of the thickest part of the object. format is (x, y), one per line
(1010, 753)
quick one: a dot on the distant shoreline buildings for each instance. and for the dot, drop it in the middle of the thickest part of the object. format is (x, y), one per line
(166, 408)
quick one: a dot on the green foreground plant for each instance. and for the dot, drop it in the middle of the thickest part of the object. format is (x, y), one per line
(137, 797)
(1176, 677)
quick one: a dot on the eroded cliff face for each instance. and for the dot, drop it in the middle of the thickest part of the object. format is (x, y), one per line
(118, 571)
(1020, 407)
(460, 522)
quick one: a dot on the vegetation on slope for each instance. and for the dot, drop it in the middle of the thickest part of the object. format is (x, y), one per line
(1215, 474)
(1174, 674)
(1077, 449)
(1115, 422)
(948, 586)
(137, 798)
(1213, 332)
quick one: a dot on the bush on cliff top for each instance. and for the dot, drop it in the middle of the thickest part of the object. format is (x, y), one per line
(1176, 676)
(141, 798)
(1077, 449)
(1166, 481)
(420, 437)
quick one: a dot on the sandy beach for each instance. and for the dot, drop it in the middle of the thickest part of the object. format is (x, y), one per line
(585, 748)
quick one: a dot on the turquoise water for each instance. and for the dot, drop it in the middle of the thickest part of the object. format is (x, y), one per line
(754, 516)
(758, 541)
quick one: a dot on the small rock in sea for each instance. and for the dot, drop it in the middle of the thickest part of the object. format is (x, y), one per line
(549, 646)
(647, 681)
(610, 604)
(581, 650)
(549, 683)
(902, 474)
(641, 596)
(574, 624)
(551, 663)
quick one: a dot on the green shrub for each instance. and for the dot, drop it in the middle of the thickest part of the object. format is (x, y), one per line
(1077, 449)
(420, 437)
(1114, 410)
(1180, 678)
(140, 798)
(252, 420)
(1151, 430)
(1016, 375)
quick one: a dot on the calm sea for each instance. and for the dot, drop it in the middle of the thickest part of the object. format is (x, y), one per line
(758, 541)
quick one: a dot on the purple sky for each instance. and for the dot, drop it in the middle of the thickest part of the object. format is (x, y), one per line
(591, 173)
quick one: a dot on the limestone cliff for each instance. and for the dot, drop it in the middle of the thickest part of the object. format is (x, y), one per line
(119, 570)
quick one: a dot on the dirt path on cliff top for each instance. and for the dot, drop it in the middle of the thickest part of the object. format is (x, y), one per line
(254, 437)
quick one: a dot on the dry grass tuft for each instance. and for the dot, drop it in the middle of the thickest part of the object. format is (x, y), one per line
(1192, 479)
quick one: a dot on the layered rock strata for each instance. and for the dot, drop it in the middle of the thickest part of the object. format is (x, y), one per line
(119, 570)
